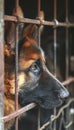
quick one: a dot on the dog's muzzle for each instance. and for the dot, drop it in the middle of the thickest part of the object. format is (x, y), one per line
(52, 92)
(48, 94)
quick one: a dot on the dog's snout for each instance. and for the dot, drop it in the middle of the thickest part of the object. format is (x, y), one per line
(63, 93)
(58, 87)
(50, 92)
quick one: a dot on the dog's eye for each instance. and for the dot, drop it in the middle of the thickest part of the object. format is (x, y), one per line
(35, 68)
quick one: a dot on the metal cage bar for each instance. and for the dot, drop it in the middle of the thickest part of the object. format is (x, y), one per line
(1, 64)
(39, 39)
(39, 3)
(55, 54)
(16, 65)
(67, 43)
(38, 22)
(55, 37)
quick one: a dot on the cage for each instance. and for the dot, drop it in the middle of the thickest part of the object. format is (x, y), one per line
(55, 36)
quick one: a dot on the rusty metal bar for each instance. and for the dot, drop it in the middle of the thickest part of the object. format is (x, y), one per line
(18, 112)
(16, 76)
(67, 58)
(39, 26)
(1, 64)
(68, 81)
(55, 37)
(67, 54)
(16, 70)
(16, 5)
(39, 41)
(38, 22)
(66, 10)
(67, 43)
(55, 55)
(16, 64)
(39, 7)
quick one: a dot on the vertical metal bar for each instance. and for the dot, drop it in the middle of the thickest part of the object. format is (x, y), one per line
(1, 64)
(16, 59)
(39, 27)
(39, 8)
(55, 31)
(16, 66)
(16, 76)
(67, 59)
(55, 56)
(39, 119)
(39, 40)
(67, 43)
(16, 4)
(67, 54)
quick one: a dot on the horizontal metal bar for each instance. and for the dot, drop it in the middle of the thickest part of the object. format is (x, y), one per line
(10, 18)
(68, 81)
(38, 22)
(18, 112)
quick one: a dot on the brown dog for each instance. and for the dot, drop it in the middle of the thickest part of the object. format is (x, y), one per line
(35, 82)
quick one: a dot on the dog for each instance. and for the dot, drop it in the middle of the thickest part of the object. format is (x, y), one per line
(35, 82)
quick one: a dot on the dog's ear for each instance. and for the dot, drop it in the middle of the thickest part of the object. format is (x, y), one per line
(41, 18)
(10, 31)
(19, 14)
(31, 31)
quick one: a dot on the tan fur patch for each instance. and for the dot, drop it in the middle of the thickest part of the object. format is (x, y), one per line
(42, 56)
(35, 56)
(21, 79)
(31, 40)
(27, 44)
(24, 65)
(9, 84)
(6, 51)
(9, 107)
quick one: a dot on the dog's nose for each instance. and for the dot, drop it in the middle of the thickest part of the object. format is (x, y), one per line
(61, 90)
(63, 93)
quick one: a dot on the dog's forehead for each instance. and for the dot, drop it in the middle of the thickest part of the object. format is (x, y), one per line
(30, 53)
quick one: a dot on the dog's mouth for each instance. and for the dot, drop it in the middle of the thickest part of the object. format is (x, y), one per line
(46, 103)
(44, 99)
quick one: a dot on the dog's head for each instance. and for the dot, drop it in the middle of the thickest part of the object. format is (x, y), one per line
(36, 83)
